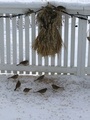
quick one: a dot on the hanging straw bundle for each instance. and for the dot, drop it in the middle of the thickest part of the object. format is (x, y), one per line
(49, 41)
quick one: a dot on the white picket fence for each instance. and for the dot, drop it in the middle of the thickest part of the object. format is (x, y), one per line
(17, 35)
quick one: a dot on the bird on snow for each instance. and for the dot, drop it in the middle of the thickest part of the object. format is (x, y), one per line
(26, 90)
(42, 90)
(14, 76)
(18, 84)
(25, 62)
(56, 87)
(40, 77)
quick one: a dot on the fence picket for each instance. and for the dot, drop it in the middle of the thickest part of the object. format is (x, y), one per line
(72, 42)
(46, 62)
(81, 47)
(14, 39)
(59, 54)
(8, 43)
(88, 54)
(2, 42)
(52, 62)
(20, 40)
(27, 37)
(33, 38)
(84, 35)
(66, 41)
(39, 56)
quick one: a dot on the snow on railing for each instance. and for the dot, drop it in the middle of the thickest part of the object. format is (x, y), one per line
(18, 33)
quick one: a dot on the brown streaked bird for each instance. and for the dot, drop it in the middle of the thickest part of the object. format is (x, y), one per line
(40, 78)
(25, 62)
(57, 87)
(42, 90)
(18, 84)
(29, 12)
(14, 76)
(26, 90)
(59, 8)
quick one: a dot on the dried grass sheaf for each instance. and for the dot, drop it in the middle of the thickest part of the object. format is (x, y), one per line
(49, 41)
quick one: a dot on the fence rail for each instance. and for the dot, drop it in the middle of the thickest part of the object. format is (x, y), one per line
(17, 35)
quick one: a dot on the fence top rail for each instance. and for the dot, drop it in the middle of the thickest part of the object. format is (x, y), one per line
(22, 7)
(37, 4)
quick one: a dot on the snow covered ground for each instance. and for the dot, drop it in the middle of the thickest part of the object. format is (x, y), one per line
(72, 103)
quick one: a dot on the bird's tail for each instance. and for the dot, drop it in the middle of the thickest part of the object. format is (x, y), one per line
(15, 89)
(17, 64)
(35, 80)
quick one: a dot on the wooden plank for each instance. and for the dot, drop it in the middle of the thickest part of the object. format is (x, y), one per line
(63, 45)
(52, 62)
(72, 42)
(46, 63)
(35, 68)
(88, 54)
(88, 45)
(14, 39)
(81, 47)
(40, 62)
(2, 43)
(30, 38)
(66, 41)
(33, 38)
(20, 40)
(87, 70)
(27, 43)
(76, 41)
(39, 56)
(84, 35)
(8, 42)
(59, 54)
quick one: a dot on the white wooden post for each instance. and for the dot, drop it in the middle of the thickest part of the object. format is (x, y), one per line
(39, 56)
(72, 42)
(20, 39)
(33, 38)
(46, 62)
(59, 54)
(14, 39)
(27, 42)
(81, 47)
(8, 42)
(2, 42)
(66, 41)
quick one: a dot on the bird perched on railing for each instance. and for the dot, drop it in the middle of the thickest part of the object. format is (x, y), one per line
(26, 90)
(14, 76)
(25, 62)
(55, 87)
(18, 84)
(42, 90)
(40, 77)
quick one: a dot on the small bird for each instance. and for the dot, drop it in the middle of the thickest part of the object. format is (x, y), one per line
(40, 78)
(14, 76)
(76, 25)
(25, 62)
(29, 12)
(42, 90)
(18, 84)
(26, 90)
(59, 8)
(56, 87)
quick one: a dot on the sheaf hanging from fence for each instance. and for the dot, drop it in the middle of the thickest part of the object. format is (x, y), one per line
(49, 41)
